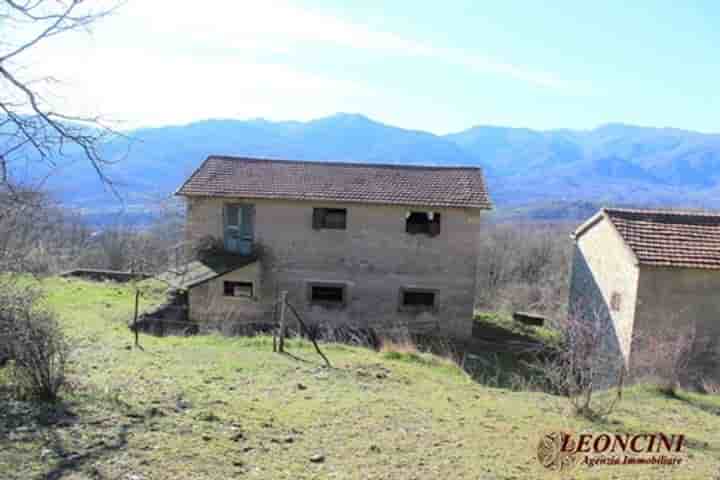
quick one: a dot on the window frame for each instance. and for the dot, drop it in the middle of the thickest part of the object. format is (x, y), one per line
(319, 218)
(328, 284)
(402, 307)
(247, 282)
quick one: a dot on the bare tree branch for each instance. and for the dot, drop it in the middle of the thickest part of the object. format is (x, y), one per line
(30, 127)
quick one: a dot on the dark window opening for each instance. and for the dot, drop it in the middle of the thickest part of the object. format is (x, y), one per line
(238, 289)
(427, 223)
(418, 299)
(615, 302)
(327, 294)
(331, 218)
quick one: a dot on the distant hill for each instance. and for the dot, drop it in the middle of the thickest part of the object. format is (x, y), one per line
(612, 164)
(527, 170)
(156, 160)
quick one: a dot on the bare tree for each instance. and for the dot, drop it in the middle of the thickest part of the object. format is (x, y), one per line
(138, 243)
(37, 235)
(30, 127)
(524, 267)
(588, 361)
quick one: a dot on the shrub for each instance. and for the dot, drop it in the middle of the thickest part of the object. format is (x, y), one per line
(709, 386)
(671, 356)
(34, 343)
(586, 361)
(403, 346)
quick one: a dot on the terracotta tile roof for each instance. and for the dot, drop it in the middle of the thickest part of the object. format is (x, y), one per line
(670, 239)
(201, 270)
(342, 182)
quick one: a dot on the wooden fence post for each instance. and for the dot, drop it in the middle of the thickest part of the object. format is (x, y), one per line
(309, 335)
(281, 341)
(135, 318)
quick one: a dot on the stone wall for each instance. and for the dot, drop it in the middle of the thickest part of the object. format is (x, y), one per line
(374, 256)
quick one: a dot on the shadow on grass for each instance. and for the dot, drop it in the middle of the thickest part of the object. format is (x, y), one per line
(510, 370)
(706, 405)
(16, 414)
(72, 462)
(295, 357)
(39, 425)
(613, 424)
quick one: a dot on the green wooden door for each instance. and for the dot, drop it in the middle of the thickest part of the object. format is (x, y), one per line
(239, 233)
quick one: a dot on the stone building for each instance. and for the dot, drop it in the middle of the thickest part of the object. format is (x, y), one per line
(648, 271)
(360, 244)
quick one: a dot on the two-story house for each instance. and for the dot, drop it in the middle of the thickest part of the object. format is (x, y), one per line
(362, 244)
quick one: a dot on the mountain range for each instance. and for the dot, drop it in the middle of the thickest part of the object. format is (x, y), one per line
(612, 164)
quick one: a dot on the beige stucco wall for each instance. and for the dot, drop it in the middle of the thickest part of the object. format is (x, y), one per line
(207, 302)
(603, 265)
(670, 299)
(374, 255)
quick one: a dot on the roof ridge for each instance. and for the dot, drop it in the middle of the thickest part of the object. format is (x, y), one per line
(668, 238)
(661, 211)
(373, 183)
(354, 163)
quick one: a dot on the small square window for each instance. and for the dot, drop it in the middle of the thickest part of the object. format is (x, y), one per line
(238, 289)
(417, 299)
(327, 294)
(615, 301)
(425, 223)
(330, 218)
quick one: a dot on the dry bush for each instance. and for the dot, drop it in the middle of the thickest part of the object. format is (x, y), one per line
(710, 386)
(405, 346)
(524, 267)
(34, 343)
(585, 363)
(672, 357)
(421, 350)
(401, 342)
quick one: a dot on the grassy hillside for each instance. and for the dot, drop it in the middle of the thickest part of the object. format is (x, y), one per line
(213, 407)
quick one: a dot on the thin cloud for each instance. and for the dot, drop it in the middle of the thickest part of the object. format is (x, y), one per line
(160, 62)
(278, 24)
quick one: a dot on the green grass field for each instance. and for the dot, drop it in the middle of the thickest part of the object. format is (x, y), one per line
(210, 407)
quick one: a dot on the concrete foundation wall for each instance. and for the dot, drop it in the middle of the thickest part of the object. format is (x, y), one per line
(374, 257)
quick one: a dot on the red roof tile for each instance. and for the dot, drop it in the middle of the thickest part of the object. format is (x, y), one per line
(341, 182)
(670, 239)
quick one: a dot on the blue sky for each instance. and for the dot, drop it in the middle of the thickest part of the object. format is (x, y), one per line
(438, 66)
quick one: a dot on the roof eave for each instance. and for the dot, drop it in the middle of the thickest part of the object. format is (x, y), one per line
(594, 220)
(628, 248)
(484, 206)
(587, 224)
